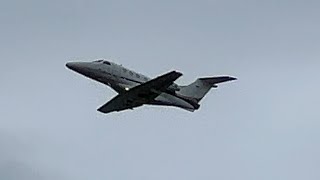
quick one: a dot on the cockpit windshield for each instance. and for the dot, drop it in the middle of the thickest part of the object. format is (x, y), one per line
(106, 62)
(102, 61)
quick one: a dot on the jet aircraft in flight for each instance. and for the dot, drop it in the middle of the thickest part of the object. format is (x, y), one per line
(135, 90)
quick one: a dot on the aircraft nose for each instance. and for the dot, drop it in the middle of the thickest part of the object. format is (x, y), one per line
(84, 68)
(76, 66)
(71, 65)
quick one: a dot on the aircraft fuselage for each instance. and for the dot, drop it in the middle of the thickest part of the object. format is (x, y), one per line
(122, 79)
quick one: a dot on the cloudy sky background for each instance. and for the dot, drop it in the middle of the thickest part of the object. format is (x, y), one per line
(263, 126)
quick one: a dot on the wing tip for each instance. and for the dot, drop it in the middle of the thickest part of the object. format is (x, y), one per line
(177, 73)
(100, 110)
(232, 78)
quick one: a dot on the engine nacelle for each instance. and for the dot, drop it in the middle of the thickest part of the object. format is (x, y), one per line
(173, 88)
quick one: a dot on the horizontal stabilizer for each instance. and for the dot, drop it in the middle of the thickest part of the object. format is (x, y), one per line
(212, 81)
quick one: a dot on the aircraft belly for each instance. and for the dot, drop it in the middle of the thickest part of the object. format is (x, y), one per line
(168, 99)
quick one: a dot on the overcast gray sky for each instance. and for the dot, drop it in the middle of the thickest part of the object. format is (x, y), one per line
(263, 126)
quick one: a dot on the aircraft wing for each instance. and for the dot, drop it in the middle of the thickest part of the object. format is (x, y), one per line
(141, 94)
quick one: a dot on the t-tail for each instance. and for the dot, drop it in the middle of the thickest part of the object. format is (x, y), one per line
(195, 92)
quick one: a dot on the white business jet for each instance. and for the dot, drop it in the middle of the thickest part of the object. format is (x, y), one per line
(135, 90)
